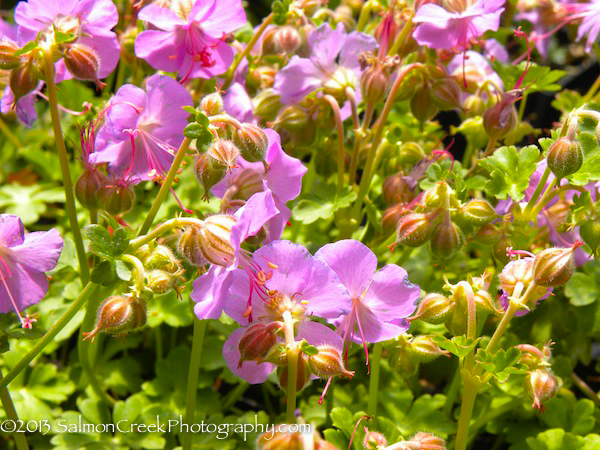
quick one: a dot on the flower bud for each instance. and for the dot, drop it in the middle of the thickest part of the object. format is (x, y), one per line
(445, 93)
(392, 216)
(428, 441)
(500, 119)
(565, 157)
(484, 303)
(209, 243)
(403, 361)
(162, 258)
(292, 118)
(457, 322)
(302, 377)
(280, 441)
(328, 363)
(501, 244)
(83, 62)
(119, 314)
(247, 183)
(160, 281)
(474, 105)
(374, 440)
(554, 266)
(252, 142)
(435, 308)
(478, 212)
(425, 350)
(23, 80)
(395, 189)
(208, 172)
(590, 233)
(116, 198)
(257, 341)
(8, 60)
(414, 229)
(374, 83)
(542, 386)
(262, 77)
(519, 270)
(487, 234)
(266, 104)
(287, 39)
(224, 152)
(87, 187)
(212, 104)
(421, 105)
(446, 239)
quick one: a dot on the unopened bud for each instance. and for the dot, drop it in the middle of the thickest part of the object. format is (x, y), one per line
(542, 386)
(474, 105)
(160, 281)
(421, 105)
(428, 441)
(287, 39)
(478, 212)
(425, 350)
(162, 258)
(292, 118)
(445, 93)
(119, 314)
(435, 308)
(520, 271)
(328, 363)
(446, 239)
(257, 341)
(554, 266)
(501, 118)
(484, 303)
(209, 243)
(116, 199)
(565, 157)
(87, 187)
(487, 234)
(280, 441)
(247, 183)
(403, 361)
(266, 104)
(23, 80)
(374, 440)
(8, 59)
(224, 151)
(262, 77)
(374, 83)
(392, 216)
(590, 233)
(457, 322)
(302, 376)
(208, 172)
(414, 229)
(252, 142)
(83, 62)
(212, 104)
(395, 189)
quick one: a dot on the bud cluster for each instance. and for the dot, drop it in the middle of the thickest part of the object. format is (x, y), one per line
(406, 352)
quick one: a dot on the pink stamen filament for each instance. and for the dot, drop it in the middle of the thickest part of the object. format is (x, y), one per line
(25, 322)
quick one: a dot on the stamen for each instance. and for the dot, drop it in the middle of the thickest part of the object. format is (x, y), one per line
(325, 390)
(25, 322)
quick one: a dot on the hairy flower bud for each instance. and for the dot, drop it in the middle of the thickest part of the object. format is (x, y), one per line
(374, 440)
(428, 441)
(401, 358)
(280, 441)
(119, 314)
(257, 341)
(487, 234)
(212, 104)
(565, 157)
(287, 39)
(252, 142)
(395, 189)
(266, 104)
(209, 242)
(8, 59)
(292, 118)
(328, 363)
(554, 266)
(83, 62)
(414, 229)
(445, 93)
(542, 386)
(208, 172)
(500, 119)
(224, 152)
(590, 233)
(425, 350)
(87, 187)
(474, 105)
(374, 83)
(302, 377)
(421, 105)
(435, 308)
(519, 270)
(23, 80)
(116, 198)
(446, 239)
(478, 212)
(161, 281)
(162, 258)
(247, 183)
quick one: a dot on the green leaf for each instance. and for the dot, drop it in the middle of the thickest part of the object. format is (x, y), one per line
(538, 78)
(122, 270)
(510, 171)
(459, 346)
(104, 273)
(29, 202)
(555, 439)
(501, 364)
(584, 287)
(323, 203)
(105, 245)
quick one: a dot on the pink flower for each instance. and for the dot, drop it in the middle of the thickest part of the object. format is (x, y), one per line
(456, 31)
(189, 40)
(23, 260)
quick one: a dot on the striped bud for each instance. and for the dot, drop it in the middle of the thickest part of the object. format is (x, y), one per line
(119, 314)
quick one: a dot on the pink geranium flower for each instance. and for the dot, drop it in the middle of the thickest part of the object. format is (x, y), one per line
(456, 31)
(23, 260)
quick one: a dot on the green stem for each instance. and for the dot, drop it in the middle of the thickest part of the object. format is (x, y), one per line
(365, 14)
(192, 384)
(537, 192)
(292, 367)
(138, 270)
(234, 395)
(522, 106)
(340, 140)
(402, 37)
(586, 389)
(11, 415)
(374, 379)
(592, 91)
(164, 189)
(136, 243)
(466, 411)
(9, 134)
(483, 420)
(247, 50)
(64, 166)
(50, 334)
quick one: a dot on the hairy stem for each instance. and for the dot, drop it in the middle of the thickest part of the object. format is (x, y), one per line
(340, 140)
(11, 414)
